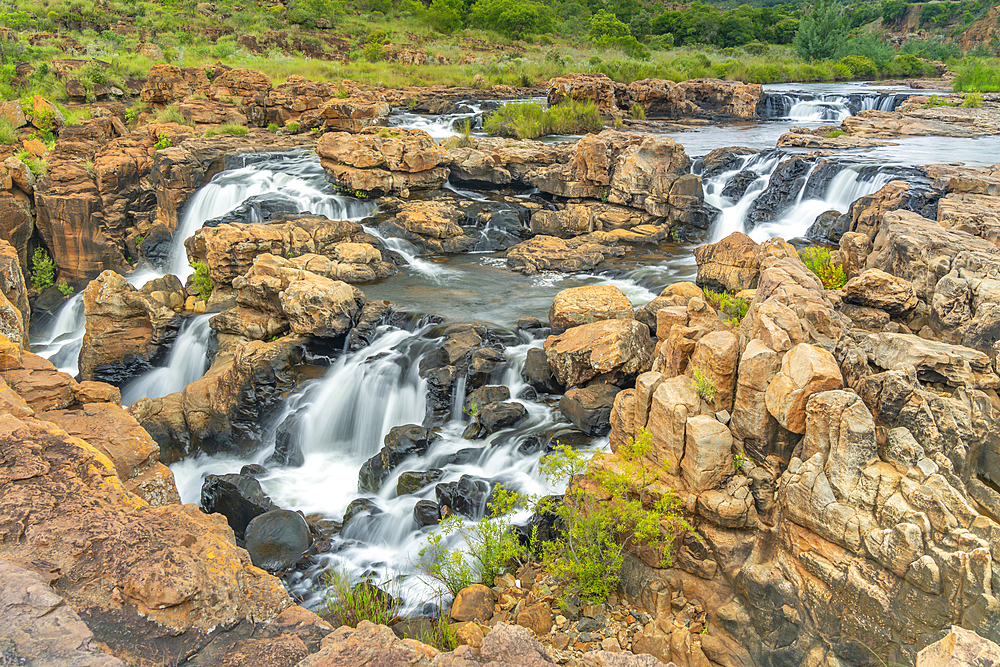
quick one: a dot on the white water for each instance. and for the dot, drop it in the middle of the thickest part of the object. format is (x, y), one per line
(439, 127)
(843, 190)
(342, 420)
(186, 362)
(828, 107)
(62, 342)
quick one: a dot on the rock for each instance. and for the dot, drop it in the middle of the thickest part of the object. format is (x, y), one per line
(841, 429)
(487, 394)
(715, 357)
(708, 455)
(878, 289)
(597, 88)
(39, 628)
(612, 350)
(127, 329)
(411, 482)
(654, 176)
(349, 114)
(384, 160)
(935, 362)
(537, 618)
(698, 98)
(583, 305)
(473, 603)
(730, 265)
(589, 408)
(959, 648)
(426, 513)
(498, 416)
(673, 401)
(805, 370)
(239, 498)
(468, 496)
(547, 253)
(369, 644)
(538, 373)
(174, 564)
(277, 539)
(281, 651)
(564, 224)
(400, 443)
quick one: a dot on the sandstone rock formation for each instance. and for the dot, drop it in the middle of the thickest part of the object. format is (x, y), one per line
(384, 160)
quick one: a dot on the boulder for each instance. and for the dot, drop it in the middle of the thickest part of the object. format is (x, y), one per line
(501, 415)
(384, 159)
(473, 603)
(369, 644)
(934, 361)
(468, 496)
(960, 648)
(597, 88)
(708, 453)
(276, 540)
(655, 176)
(805, 370)
(577, 255)
(399, 443)
(411, 482)
(731, 265)
(878, 289)
(589, 408)
(239, 498)
(426, 513)
(583, 305)
(612, 350)
(538, 373)
(673, 401)
(537, 618)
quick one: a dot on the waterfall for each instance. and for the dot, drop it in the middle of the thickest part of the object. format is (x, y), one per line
(186, 362)
(62, 342)
(825, 108)
(439, 127)
(849, 184)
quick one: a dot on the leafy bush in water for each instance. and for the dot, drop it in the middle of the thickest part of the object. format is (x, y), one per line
(818, 261)
(598, 530)
(493, 548)
(526, 120)
(43, 270)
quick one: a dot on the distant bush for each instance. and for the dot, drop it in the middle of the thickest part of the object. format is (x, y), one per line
(977, 76)
(7, 133)
(514, 19)
(228, 128)
(861, 67)
(527, 120)
(306, 12)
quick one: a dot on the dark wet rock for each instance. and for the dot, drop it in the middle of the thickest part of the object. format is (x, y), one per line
(426, 513)
(276, 540)
(570, 437)
(530, 445)
(782, 190)
(538, 373)
(474, 430)
(737, 186)
(239, 498)
(484, 395)
(411, 481)
(253, 470)
(528, 394)
(373, 314)
(497, 416)
(725, 159)
(286, 447)
(359, 506)
(589, 408)
(544, 523)
(829, 227)
(399, 443)
(468, 496)
(463, 456)
(484, 365)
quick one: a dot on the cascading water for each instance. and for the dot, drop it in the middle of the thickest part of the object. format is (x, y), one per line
(439, 127)
(61, 344)
(339, 421)
(827, 108)
(849, 184)
(186, 362)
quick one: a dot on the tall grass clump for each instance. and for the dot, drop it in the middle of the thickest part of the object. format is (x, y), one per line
(228, 128)
(526, 120)
(7, 133)
(978, 76)
(819, 261)
(349, 604)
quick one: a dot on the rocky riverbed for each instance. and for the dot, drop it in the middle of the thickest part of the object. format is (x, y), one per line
(398, 325)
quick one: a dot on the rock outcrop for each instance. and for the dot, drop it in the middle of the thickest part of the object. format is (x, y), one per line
(384, 160)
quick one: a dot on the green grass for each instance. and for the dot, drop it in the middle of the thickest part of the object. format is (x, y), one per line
(171, 114)
(973, 101)
(833, 134)
(7, 133)
(228, 128)
(527, 120)
(349, 604)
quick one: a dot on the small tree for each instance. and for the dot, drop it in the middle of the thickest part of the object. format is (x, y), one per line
(43, 270)
(820, 34)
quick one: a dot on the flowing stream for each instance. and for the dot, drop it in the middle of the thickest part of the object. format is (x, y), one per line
(339, 420)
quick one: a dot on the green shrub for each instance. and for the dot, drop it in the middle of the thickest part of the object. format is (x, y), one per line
(820, 34)
(908, 65)
(65, 288)
(977, 76)
(703, 385)
(172, 114)
(203, 282)
(292, 127)
(307, 12)
(973, 101)
(7, 133)
(493, 547)
(511, 18)
(463, 139)
(163, 141)
(756, 48)
(273, 127)
(527, 120)
(43, 270)
(733, 307)
(597, 532)
(833, 134)
(937, 101)
(818, 261)
(38, 166)
(348, 604)
(861, 67)
(638, 111)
